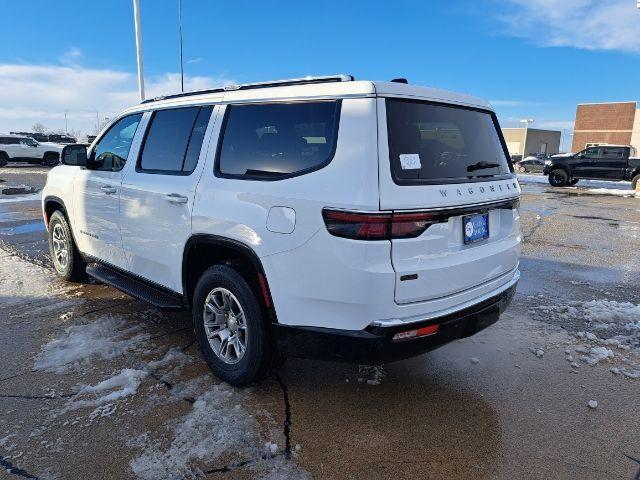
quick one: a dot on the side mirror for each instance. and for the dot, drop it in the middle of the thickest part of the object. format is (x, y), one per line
(74, 155)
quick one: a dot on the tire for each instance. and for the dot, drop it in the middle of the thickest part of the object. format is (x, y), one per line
(574, 181)
(4, 159)
(635, 181)
(222, 293)
(558, 177)
(522, 170)
(65, 256)
(51, 160)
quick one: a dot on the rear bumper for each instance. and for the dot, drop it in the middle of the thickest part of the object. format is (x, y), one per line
(374, 344)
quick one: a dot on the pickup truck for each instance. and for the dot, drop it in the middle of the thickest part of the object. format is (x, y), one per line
(604, 162)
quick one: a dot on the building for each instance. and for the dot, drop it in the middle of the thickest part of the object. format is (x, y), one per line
(614, 123)
(529, 141)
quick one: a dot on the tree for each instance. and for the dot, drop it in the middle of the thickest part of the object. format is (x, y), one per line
(38, 128)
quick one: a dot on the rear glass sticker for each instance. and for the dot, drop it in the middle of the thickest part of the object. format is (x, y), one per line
(410, 161)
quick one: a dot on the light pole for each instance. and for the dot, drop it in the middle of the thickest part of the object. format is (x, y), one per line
(180, 33)
(526, 122)
(136, 21)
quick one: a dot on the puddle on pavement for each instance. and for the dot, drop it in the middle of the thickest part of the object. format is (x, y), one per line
(26, 228)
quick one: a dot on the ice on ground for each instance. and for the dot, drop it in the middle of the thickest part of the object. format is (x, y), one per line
(593, 404)
(105, 338)
(214, 427)
(596, 354)
(21, 280)
(123, 384)
(619, 321)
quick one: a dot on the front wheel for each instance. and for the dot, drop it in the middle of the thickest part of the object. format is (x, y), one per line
(4, 159)
(50, 160)
(558, 177)
(522, 169)
(229, 327)
(65, 255)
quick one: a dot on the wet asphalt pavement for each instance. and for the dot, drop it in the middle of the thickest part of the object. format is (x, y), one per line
(505, 403)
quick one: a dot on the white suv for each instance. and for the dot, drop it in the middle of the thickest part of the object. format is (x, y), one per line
(19, 148)
(322, 217)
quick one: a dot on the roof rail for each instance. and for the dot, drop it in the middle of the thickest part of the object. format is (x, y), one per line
(250, 86)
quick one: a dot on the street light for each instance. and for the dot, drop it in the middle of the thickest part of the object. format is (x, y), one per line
(526, 122)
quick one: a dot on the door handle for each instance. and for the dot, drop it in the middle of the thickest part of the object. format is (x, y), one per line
(108, 189)
(176, 198)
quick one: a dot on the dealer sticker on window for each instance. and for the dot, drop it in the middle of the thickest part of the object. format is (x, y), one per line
(410, 161)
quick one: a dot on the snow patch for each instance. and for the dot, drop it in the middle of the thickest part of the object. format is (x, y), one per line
(105, 338)
(596, 354)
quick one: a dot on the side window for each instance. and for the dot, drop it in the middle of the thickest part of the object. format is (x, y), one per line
(174, 140)
(111, 152)
(613, 153)
(278, 140)
(592, 153)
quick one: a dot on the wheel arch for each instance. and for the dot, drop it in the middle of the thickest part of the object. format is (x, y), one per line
(204, 250)
(51, 152)
(51, 204)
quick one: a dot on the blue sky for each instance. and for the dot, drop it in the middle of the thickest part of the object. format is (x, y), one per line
(531, 58)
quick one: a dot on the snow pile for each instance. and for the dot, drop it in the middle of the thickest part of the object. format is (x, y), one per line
(593, 356)
(106, 338)
(618, 321)
(598, 187)
(124, 384)
(217, 425)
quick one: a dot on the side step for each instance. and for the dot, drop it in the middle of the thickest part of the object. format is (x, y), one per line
(135, 287)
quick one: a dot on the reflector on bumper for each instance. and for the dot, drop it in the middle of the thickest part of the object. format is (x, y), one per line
(416, 333)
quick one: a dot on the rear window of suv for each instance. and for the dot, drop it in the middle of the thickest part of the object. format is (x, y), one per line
(278, 140)
(434, 143)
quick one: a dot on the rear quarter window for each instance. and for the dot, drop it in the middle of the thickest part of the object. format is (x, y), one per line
(278, 140)
(434, 143)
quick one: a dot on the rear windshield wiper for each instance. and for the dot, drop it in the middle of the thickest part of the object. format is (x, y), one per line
(482, 166)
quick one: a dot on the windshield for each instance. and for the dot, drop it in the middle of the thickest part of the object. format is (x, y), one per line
(433, 143)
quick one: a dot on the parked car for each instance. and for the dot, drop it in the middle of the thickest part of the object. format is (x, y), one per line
(59, 138)
(322, 217)
(18, 148)
(530, 165)
(604, 162)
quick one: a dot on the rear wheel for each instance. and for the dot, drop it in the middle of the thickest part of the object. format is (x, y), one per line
(4, 159)
(558, 177)
(50, 160)
(635, 181)
(65, 255)
(232, 335)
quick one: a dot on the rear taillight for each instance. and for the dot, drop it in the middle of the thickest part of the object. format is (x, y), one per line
(376, 226)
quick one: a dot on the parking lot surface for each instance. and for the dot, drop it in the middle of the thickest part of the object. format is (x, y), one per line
(95, 384)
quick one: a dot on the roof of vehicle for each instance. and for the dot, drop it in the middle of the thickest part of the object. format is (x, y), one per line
(338, 86)
(13, 135)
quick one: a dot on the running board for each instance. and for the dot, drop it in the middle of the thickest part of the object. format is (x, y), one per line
(135, 287)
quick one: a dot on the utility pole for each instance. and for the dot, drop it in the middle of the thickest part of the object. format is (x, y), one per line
(136, 20)
(180, 34)
(66, 126)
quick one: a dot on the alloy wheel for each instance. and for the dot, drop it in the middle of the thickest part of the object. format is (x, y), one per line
(60, 247)
(225, 325)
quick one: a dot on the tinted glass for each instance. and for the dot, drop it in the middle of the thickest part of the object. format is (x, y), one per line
(613, 153)
(428, 143)
(197, 136)
(272, 141)
(166, 143)
(111, 152)
(592, 153)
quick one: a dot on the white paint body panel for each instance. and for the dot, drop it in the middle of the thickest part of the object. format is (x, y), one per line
(315, 279)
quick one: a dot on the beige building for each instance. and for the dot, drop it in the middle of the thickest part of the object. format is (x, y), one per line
(529, 141)
(602, 123)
